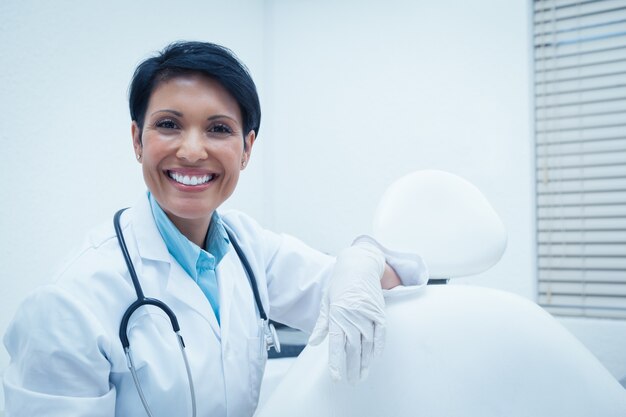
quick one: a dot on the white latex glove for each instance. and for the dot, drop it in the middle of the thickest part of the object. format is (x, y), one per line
(353, 312)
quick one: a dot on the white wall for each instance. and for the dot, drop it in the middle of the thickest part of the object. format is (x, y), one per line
(354, 95)
(365, 94)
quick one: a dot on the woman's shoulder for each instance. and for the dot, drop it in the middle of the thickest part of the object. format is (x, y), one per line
(250, 233)
(242, 225)
(238, 219)
(86, 281)
(96, 245)
(96, 264)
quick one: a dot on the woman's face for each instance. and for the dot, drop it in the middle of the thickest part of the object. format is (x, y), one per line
(192, 146)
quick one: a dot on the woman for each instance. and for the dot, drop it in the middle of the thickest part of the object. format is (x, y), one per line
(195, 118)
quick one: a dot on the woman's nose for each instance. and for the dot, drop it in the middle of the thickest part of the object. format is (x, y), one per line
(193, 147)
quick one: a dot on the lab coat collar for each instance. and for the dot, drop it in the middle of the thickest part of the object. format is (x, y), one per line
(149, 242)
(227, 271)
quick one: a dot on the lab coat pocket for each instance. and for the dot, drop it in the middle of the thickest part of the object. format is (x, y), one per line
(257, 358)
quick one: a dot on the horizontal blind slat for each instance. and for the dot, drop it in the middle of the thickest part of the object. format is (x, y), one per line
(549, 140)
(584, 301)
(581, 211)
(577, 288)
(539, 5)
(591, 159)
(576, 311)
(577, 12)
(584, 23)
(577, 71)
(582, 199)
(554, 36)
(604, 236)
(597, 92)
(578, 249)
(610, 223)
(591, 134)
(590, 185)
(612, 263)
(614, 93)
(581, 275)
(581, 122)
(591, 46)
(587, 118)
(558, 110)
(547, 62)
(549, 87)
(552, 149)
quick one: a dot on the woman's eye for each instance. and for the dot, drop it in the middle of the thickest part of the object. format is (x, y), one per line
(166, 124)
(221, 129)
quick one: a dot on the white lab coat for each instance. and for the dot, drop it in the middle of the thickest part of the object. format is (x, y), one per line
(66, 355)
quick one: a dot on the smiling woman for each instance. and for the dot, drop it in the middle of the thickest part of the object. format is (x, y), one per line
(215, 278)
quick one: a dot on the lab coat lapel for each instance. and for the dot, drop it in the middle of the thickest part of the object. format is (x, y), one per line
(182, 287)
(227, 271)
(148, 240)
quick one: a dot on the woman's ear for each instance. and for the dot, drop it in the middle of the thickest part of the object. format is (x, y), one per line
(137, 146)
(248, 142)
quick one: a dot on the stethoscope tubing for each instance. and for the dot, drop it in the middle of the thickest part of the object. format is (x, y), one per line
(249, 273)
(142, 300)
(270, 337)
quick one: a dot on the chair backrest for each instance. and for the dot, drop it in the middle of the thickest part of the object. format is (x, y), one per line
(458, 350)
(443, 218)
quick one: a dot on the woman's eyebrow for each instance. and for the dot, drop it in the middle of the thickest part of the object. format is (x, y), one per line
(221, 116)
(174, 112)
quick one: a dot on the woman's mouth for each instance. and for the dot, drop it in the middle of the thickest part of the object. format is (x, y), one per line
(190, 179)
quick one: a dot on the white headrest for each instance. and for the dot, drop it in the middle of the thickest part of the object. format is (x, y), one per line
(443, 218)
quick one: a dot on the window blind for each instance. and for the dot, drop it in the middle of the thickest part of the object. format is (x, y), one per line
(580, 139)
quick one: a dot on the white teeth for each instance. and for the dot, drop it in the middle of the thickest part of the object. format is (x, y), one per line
(189, 180)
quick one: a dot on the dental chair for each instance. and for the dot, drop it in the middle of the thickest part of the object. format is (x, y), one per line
(454, 350)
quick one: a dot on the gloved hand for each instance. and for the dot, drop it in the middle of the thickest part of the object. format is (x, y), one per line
(353, 312)
(409, 267)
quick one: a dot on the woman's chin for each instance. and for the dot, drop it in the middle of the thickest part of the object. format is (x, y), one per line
(190, 210)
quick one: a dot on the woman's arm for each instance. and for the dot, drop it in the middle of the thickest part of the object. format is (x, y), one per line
(58, 364)
(389, 279)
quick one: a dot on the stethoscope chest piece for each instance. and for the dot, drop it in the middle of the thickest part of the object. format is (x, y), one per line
(271, 337)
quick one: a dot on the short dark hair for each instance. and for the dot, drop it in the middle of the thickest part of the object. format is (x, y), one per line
(181, 58)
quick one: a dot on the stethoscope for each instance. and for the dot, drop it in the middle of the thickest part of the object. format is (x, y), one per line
(269, 332)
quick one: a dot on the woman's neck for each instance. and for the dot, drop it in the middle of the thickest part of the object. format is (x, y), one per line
(193, 229)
